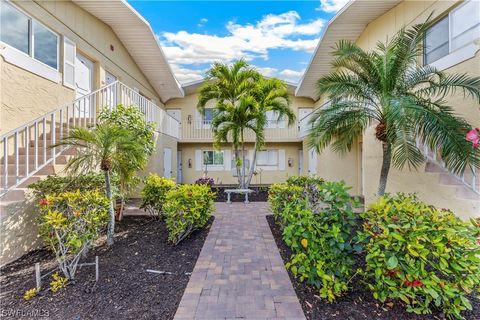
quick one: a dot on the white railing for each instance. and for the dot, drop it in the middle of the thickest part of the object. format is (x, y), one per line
(468, 178)
(201, 130)
(26, 149)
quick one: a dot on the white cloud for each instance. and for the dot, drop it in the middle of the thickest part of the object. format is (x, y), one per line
(185, 75)
(249, 41)
(331, 5)
(202, 22)
(185, 50)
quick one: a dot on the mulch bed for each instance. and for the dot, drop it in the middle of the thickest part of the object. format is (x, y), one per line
(358, 303)
(124, 291)
(259, 194)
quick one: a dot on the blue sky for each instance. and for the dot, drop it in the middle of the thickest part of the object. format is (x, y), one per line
(277, 37)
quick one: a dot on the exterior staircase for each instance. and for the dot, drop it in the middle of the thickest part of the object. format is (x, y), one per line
(26, 156)
(467, 186)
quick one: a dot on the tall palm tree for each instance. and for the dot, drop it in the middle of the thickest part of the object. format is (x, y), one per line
(270, 95)
(230, 87)
(385, 87)
(108, 147)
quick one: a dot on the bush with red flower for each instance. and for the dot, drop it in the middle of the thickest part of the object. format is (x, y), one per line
(426, 257)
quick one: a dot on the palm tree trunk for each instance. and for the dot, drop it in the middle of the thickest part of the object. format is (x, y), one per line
(387, 157)
(252, 166)
(237, 167)
(242, 186)
(111, 212)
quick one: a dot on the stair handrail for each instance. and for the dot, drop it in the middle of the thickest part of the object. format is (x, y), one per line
(108, 96)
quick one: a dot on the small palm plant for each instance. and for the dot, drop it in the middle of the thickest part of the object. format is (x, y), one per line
(108, 147)
(406, 103)
(270, 95)
(230, 87)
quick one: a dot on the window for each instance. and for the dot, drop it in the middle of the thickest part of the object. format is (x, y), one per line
(14, 28)
(267, 158)
(208, 116)
(45, 47)
(458, 29)
(214, 158)
(273, 121)
(28, 36)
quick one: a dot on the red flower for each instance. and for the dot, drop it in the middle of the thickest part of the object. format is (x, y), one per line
(414, 283)
(44, 202)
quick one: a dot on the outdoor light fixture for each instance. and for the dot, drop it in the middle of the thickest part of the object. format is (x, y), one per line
(189, 119)
(290, 162)
(189, 163)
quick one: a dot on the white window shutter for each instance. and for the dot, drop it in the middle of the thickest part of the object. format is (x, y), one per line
(69, 52)
(227, 159)
(198, 160)
(281, 159)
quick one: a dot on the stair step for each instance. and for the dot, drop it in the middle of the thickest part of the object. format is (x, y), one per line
(467, 194)
(12, 196)
(31, 151)
(433, 167)
(11, 180)
(61, 159)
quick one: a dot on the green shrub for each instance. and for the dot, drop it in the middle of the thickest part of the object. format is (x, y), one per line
(69, 223)
(154, 193)
(88, 182)
(304, 181)
(286, 202)
(318, 223)
(187, 208)
(426, 257)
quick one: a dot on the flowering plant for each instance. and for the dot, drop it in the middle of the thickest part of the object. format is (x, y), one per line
(473, 136)
(205, 180)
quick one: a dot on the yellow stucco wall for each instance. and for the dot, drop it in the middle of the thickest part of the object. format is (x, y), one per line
(332, 166)
(265, 175)
(425, 184)
(25, 96)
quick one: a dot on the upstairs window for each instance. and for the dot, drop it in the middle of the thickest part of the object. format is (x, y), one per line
(208, 116)
(28, 36)
(458, 29)
(14, 28)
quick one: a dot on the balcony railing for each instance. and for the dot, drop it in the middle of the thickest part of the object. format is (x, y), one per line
(26, 149)
(275, 131)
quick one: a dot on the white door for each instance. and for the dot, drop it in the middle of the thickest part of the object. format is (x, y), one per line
(302, 113)
(179, 166)
(110, 96)
(83, 85)
(167, 162)
(312, 162)
(175, 113)
(300, 162)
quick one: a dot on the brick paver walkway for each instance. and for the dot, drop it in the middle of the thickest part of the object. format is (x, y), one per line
(239, 273)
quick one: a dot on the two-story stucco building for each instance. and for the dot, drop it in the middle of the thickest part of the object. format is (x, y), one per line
(62, 61)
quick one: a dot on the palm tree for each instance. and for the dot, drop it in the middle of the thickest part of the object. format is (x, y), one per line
(108, 147)
(230, 88)
(232, 121)
(271, 95)
(383, 87)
